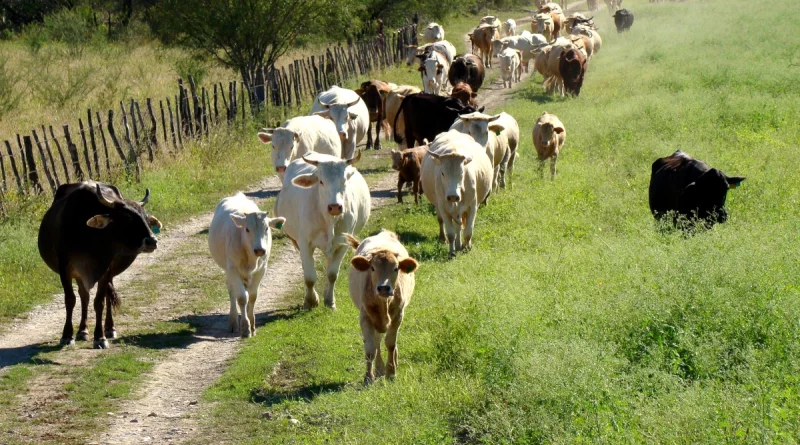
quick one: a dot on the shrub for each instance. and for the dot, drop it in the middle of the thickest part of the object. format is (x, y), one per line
(194, 66)
(71, 28)
(9, 96)
(34, 37)
(61, 90)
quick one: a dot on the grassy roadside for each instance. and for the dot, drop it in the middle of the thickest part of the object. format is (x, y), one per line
(573, 319)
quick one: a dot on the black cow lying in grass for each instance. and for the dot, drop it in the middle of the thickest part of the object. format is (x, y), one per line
(688, 189)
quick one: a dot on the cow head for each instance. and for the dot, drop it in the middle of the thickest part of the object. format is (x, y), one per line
(255, 229)
(549, 129)
(384, 266)
(342, 117)
(433, 74)
(397, 160)
(411, 54)
(463, 92)
(479, 125)
(451, 168)
(705, 197)
(126, 222)
(331, 177)
(284, 143)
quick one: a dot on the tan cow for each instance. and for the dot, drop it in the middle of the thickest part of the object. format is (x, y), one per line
(482, 37)
(381, 282)
(584, 30)
(543, 24)
(393, 101)
(547, 64)
(549, 135)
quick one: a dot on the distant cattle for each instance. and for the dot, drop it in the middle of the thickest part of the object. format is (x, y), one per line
(298, 136)
(499, 137)
(433, 33)
(322, 198)
(373, 92)
(572, 67)
(91, 234)
(467, 68)
(613, 5)
(348, 112)
(482, 37)
(623, 19)
(464, 93)
(381, 282)
(408, 163)
(240, 241)
(427, 115)
(394, 117)
(525, 44)
(509, 28)
(549, 135)
(578, 19)
(548, 61)
(456, 178)
(684, 187)
(434, 73)
(596, 41)
(510, 67)
(490, 20)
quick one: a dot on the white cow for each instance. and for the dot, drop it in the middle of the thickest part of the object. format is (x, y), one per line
(484, 130)
(421, 53)
(433, 33)
(240, 241)
(434, 73)
(348, 112)
(510, 68)
(298, 136)
(381, 282)
(510, 28)
(456, 178)
(525, 43)
(322, 197)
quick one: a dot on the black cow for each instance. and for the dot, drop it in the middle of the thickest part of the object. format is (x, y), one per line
(623, 19)
(468, 69)
(688, 188)
(91, 234)
(426, 115)
(572, 67)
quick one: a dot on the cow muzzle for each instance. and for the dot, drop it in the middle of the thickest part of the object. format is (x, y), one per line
(343, 136)
(334, 209)
(453, 198)
(385, 291)
(259, 252)
(281, 169)
(149, 245)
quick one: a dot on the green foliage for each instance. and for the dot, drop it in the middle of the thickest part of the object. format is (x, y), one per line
(9, 95)
(34, 37)
(70, 27)
(195, 66)
(62, 86)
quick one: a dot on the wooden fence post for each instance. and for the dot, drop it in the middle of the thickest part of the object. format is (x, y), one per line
(73, 154)
(133, 157)
(172, 126)
(24, 161)
(3, 171)
(94, 144)
(60, 153)
(43, 157)
(163, 123)
(178, 122)
(216, 110)
(85, 149)
(115, 141)
(33, 174)
(14, 168)
(50, 153)
(146, 134)
(153, 129)
(103, 140)
(196, 107)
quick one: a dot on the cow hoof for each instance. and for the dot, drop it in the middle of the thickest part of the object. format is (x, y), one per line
(82, 336)
(253, 333)
(368, 379)
(111, 334)
(330, 305)
(247, 335)
(67, 341)
(101, 344)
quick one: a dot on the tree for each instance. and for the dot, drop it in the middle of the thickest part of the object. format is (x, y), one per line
(242, 34)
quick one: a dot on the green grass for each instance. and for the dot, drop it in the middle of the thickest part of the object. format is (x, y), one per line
(574, 319)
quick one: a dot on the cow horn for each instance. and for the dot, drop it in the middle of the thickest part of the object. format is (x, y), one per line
(146, 197)
(326, 105)
(353, 103)
(310, 161)
(103, 200)
(354, 159)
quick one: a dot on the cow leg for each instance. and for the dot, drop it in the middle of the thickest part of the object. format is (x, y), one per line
(309, 275)
(238, 293)
(391, 347)
(369, 135)
(378, 131)
(451, 231)
(504, 168)
(83, 330)
(400, 182)
(469, 226)
(442, 238)
(112, 300)
(69, 303)
(511, 158)
(332, 269)
(252, 291)
(100, 341)
(541, 167)
(371, 339)
(416, 187)
(553, 166)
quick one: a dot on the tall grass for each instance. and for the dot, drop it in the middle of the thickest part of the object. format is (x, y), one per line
(574, 319)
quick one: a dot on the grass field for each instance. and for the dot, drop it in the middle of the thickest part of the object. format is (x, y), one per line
(574, 319)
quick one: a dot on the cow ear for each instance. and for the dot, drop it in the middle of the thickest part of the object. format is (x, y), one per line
(467, 160)
(734, 181)
(359, 91)
(296, 136)
(360, 263)
(408, 265)
(559, 130)
(277, 223)
(265, 137)
(481, 109)
(496, 128)
(239, 220)
(473, 95)
(155, 224)
(99, 221)
(305, 181)
(421, 69)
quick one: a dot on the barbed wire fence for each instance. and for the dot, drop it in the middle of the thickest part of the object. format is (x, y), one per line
(129, 139)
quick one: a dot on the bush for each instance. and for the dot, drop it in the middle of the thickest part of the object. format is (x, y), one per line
(9, 97)
(34, 37)
(194, 66)
(71, 28)
(60, 90)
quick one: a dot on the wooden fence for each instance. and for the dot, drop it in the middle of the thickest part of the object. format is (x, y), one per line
(107, 145)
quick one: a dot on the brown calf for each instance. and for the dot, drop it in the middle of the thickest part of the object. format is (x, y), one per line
(463, 92)
(408, 165)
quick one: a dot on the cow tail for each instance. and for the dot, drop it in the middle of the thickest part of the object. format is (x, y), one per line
(112, 298)
(397, 138)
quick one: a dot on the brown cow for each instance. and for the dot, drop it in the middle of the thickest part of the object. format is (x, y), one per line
(373, 93)
(482, 37)
(463, 92)
(572, 67)
(407, 163)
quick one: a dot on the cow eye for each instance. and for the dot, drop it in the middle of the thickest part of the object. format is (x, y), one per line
(442, 173)
(353, 116)
(321, 183)
(396, 269)
(373, 268)
(247, 230)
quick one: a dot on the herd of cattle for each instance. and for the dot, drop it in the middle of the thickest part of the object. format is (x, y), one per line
(450, 151)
